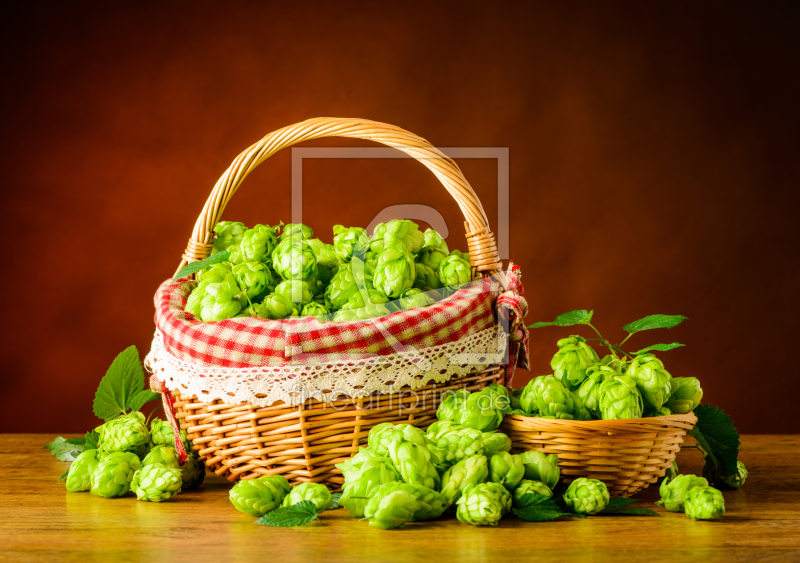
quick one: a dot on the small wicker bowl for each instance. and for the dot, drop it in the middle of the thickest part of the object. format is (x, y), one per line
(627, 455)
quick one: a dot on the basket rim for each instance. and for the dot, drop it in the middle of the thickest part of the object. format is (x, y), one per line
(688, 418)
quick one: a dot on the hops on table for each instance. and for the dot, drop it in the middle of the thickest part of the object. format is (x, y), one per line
(587, 496)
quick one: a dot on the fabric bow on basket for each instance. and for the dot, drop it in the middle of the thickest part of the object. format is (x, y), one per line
(158, 386)
(511, 310)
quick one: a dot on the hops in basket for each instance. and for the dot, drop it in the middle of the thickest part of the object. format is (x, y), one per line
(282, 271)
(621, 385)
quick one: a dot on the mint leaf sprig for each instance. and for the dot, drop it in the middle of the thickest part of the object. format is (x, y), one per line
(584, 317)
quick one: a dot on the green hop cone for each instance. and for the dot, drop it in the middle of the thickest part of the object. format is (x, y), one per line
(541, 467)
(252, 277)
(527, 487)
(156, 483)
(345, 315)
(361, 483)
(480, 506)
(495, 443)
(161, 433)
(413, 461)
(431, 257)
(194, 303)
(441, 426)
(506, 469)
(256, 245)
(162, 455)
(345, 240)
(685, 394)
(463, 255)
(353, 464)
(327, 260)
(502, 494)
(432, 238)
(368, 303)
(464, 474)
(394, 272)
(620, 398)
(296, 231)
(295, 291)
(126, 433)
(79, 478)
(587, 496)
(454, 270)
(573, 358)
(581, 412)
(403, 231)
(705, 503)
(454, 444)
(229, 233)
(527, 398)
(553, 400)
(391, 509)
(425, 277)
(479, 412)
(414, 297)
(275, 306)
(215, 272)
(452, 402)
(193, 473)
(113, 475)
(258, 496)
(501, 398)
(314, 309)
(222, 300)
(314, 492)
(293, 259)
(383, 435)
(729, 482)
(342, 287)
(673, 493)
(431, 503)
(651, 378)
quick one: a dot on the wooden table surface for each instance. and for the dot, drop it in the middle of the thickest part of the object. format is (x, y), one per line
(40, 521)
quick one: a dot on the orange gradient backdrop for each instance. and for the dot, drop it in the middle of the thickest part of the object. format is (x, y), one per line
(653, 167)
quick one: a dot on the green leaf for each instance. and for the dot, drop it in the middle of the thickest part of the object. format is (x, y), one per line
(717, 436)
(580, 317)
(659, 348)
(534, 507)
(618, 502)
(654, 321)
(141, 398)
(334, 504)
(629, 511)
(64, 476)
(193, 267)
(620, 507)
(122, 382)
(92, 438)
(65, 450)
(298, 514)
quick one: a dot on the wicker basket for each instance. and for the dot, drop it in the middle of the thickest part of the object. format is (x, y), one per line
(243, 441)
(628, 455)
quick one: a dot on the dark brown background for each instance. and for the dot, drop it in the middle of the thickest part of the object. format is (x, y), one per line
(653, 145)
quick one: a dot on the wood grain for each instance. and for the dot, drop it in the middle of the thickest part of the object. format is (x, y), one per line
(40, 521)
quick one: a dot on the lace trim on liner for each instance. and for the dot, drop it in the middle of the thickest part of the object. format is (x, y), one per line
(294, 384)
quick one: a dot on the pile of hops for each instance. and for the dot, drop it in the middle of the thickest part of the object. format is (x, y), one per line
(132, 458)
(405, 474)
(584, 387)
(282, 271)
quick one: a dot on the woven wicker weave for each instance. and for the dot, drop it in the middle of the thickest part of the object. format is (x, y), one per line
(627, 455)
(242, 441)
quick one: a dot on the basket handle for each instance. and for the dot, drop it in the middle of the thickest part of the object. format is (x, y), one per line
(480, 240)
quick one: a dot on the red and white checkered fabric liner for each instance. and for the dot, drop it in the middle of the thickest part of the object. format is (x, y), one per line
(253, 342)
